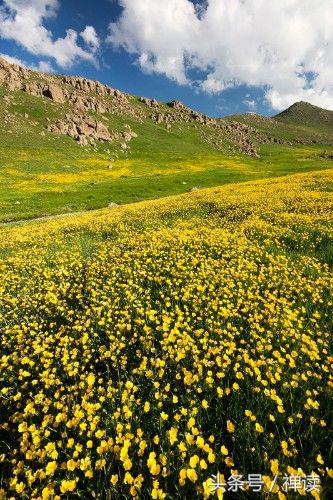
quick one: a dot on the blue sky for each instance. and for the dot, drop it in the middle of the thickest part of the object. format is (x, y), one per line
(217, 56)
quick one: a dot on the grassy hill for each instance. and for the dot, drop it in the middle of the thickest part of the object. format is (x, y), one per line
(306, 115)
(147, 347)
(172, 149)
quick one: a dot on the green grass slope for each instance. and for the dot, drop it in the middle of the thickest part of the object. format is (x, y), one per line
(43, 173)
(311, 127)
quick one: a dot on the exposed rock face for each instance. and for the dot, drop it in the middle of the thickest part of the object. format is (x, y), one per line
(87, 130)
(54, 92)
(83, 130)
(32, 88)
(90, 86)
(11, 75)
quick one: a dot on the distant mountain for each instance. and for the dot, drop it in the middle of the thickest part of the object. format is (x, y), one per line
(305, 114)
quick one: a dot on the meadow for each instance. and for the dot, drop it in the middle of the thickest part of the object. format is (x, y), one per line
(151, 346)
(46, 174)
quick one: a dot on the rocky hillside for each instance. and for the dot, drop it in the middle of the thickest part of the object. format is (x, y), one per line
(70, 144)
(88, 110)
(85, 104)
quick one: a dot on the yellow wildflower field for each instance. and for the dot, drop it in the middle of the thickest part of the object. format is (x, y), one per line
(150, 347)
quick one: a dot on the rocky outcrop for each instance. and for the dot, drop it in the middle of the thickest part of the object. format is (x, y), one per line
(81, 94)
(11, 75)
(54, 92)
(91, 86)
(177, 105)
(151, 103)
(87, 130)
(83, 130)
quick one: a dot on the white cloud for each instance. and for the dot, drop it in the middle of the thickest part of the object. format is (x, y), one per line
(159, 31)
(22, 21)
(273, 44)
(90, 37)
(213, 85)
(44, 67)
(250, 103)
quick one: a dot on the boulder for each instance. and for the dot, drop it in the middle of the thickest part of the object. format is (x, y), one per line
(54, 92)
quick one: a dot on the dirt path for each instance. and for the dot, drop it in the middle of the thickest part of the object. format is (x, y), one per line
(43, 217)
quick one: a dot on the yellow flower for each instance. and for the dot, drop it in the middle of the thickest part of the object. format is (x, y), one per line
(128, 479)
(51, 468)
(19, 487)
(200, 442)
(99, 464)
(173, 435)
(320, 459)
(259, 428)
(71, 465)
(153, 466)
(182, 474)
(67, 485)
(224, 450)
(230, 426)
(194, 460)
(114, 479)
(192, 475)
(47, 492)
(127, 464)
(70, 443)
(275, 466)
(219, 391)
(85, 463)
(203, 464)
(284, 445)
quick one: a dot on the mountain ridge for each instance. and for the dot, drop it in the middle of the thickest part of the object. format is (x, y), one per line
(52, 88)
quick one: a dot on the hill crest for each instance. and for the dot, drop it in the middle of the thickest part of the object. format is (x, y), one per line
(306, 114)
